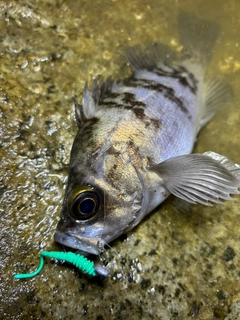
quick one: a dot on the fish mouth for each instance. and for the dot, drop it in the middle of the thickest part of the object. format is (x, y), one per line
(75, 243)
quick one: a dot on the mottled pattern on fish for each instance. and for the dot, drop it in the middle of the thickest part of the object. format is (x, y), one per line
(137, 101)
(134, 139)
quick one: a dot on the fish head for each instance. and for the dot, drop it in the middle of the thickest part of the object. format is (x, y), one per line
(92, 217)
(103, 200)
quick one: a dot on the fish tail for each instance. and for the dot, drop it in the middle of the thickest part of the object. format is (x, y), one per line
(198, 36)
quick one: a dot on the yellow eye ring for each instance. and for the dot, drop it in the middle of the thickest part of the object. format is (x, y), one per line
(83, 203)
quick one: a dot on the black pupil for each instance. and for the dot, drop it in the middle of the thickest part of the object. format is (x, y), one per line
(87, 206)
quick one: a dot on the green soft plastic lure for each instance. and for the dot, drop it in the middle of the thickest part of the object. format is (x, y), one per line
(77, 260)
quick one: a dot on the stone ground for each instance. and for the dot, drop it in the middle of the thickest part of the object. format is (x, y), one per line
(182, 262)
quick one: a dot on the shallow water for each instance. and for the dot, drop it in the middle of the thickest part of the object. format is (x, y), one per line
(179, 263)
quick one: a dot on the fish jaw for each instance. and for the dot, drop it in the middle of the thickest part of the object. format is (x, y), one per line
(74, 242)
(90, 237)
(86, 239)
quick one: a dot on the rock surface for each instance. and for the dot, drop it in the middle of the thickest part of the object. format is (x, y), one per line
(182, 262)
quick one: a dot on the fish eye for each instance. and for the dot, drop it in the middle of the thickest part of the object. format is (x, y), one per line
(83, 203)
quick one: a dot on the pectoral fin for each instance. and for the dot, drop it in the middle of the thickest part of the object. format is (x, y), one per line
(200, 178)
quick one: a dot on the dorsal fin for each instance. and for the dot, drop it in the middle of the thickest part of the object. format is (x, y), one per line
(155, 56)
(216, 94)
(79, 115)
(91, 99)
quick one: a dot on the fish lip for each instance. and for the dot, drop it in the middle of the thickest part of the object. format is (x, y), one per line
(75, 243)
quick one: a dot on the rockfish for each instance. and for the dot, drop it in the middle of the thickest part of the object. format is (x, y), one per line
(135, 138)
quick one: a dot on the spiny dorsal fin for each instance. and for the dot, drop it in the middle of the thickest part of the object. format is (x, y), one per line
(79, 115)
(155, 56)
(91, 99)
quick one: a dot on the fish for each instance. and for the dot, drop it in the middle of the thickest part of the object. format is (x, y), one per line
(135, 140)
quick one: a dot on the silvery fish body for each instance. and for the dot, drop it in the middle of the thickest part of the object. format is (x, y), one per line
(135, 138)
